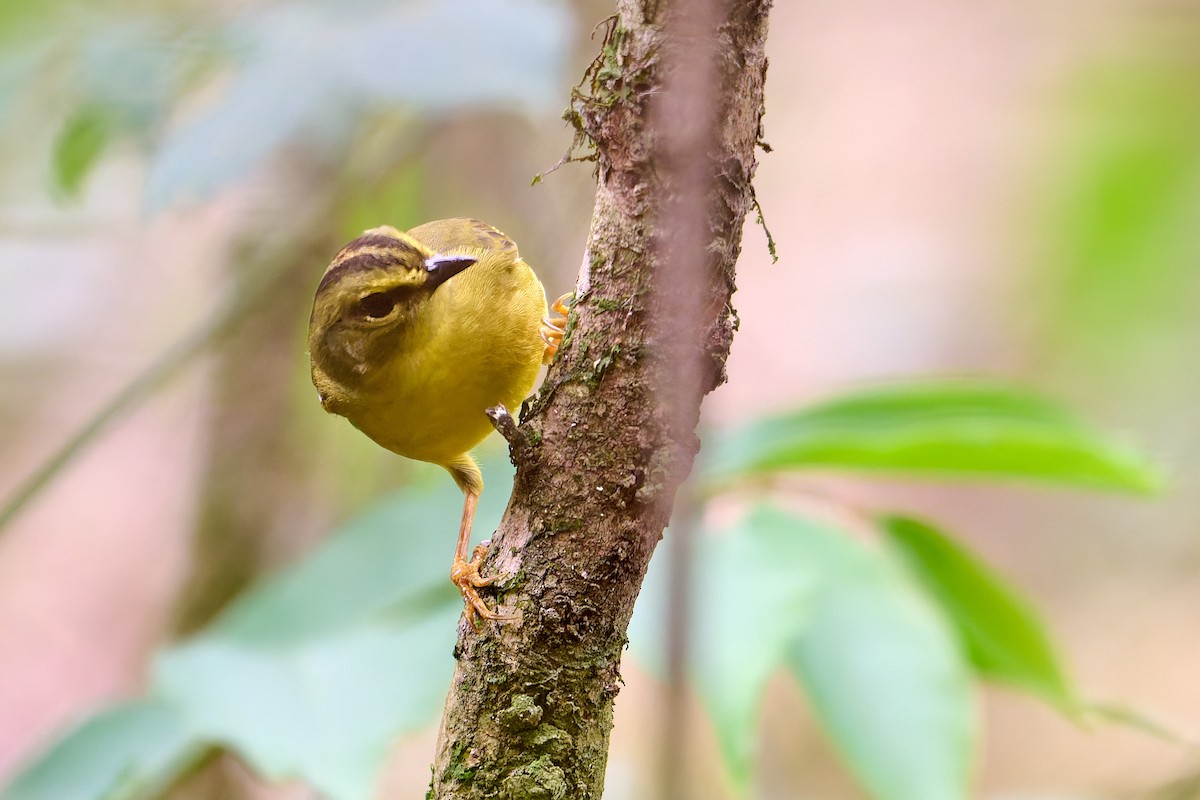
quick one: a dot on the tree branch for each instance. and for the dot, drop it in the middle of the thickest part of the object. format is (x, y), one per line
(673, 107)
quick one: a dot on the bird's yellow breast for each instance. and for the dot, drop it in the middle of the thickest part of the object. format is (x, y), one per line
(473, 342)
(474, 346)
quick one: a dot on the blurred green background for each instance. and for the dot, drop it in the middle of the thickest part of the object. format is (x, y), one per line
(995, 190)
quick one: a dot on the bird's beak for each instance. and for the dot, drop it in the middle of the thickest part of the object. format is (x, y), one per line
(443, 268)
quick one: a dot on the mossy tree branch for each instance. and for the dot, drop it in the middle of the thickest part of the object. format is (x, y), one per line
(673, 108)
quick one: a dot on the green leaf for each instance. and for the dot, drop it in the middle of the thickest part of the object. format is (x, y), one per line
(1139, 720)
(391, 561)
(1002, 634)
(128, 751)
(876, 658)
(347, 66)
(316, 672)
(1118, 208)
(79, 146)
(389, 557)
(326, 710)
(756, 589)
(397, 198)
(884, 675)
(127, 73)
(960, 429)
(311, 674)
(753, 590)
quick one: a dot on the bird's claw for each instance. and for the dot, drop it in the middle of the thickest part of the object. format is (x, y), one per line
(555, 327)
(465, 575)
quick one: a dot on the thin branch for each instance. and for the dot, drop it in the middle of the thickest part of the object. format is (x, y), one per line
(503, 422)
(163, 368)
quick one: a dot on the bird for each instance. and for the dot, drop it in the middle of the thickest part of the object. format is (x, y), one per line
(413, 335)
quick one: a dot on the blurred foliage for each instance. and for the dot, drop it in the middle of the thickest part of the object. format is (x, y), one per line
(387, 53)
(950, 428)
(876, 632)
(875, 659)
(878, 663)
(757, 589)
(315, 671)
(311, 674)
(1121, 216)
(80, 144)
(132, 750)
(299, 73)
(1004, 639)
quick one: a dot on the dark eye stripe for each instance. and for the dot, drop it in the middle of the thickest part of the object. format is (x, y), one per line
(349, 259)
(357, 263)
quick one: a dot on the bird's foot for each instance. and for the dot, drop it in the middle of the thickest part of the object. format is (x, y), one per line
(465, 575)
(555, 327)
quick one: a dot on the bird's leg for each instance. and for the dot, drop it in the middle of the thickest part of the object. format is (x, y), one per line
(555, 327)
(465, 574)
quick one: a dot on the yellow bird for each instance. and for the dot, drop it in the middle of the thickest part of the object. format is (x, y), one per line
(413, 335)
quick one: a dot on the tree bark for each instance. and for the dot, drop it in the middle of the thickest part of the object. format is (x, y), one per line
(673, 107)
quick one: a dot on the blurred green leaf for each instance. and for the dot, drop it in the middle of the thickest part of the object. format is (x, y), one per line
(884, 675)
(79, 145)
(1139, 720)
(312, 71)
(876, 658)
(128, 751)
(326, 710)
(647, 630)
(753, 588)
(395, 201)
(314, 673)
(23, 17)
(944, 428)
(755, 591)
(1122, 208)
(390, 556)
(1002, 634)
(136, 66)
(124, 73)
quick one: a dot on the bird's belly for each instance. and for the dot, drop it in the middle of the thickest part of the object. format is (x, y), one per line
(441, 415)
(430, 423)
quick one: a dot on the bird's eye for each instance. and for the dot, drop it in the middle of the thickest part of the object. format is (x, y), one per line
(377, 305)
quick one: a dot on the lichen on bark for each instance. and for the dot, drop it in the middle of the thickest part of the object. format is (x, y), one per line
(673, 108)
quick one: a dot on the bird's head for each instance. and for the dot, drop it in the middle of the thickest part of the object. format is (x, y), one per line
(369, 296)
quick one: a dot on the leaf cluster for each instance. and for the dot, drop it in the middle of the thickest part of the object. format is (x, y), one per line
(315, 672)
